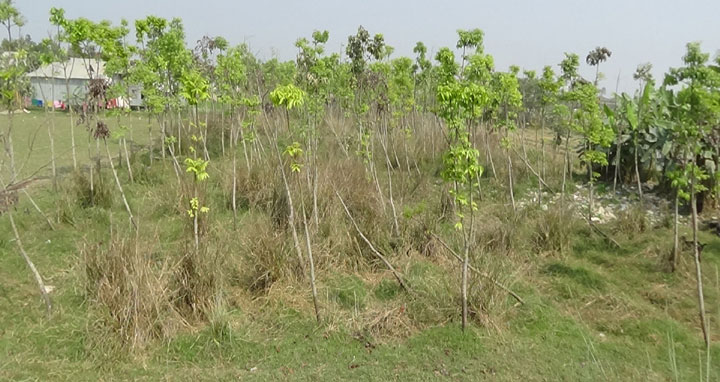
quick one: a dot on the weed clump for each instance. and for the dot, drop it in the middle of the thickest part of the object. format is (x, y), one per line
(552, 230)
(129, 295)
(632, 221)
(348, 291)
(97, 193)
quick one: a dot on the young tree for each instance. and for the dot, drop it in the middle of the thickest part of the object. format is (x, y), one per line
(550, 86)
(163, 60)
(14, 86)
(459, 102)
(595, 134)
(508, 100)
(696, 113)
(571, 78)
(10, 17)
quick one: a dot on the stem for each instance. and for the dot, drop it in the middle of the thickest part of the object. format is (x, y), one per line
(117, 181)
(617, 160)
(382, 258)
(312, 263)
(673, 263)
(696, 252)
(637, 172)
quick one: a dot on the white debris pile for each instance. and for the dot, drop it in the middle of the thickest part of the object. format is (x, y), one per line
(607, 206)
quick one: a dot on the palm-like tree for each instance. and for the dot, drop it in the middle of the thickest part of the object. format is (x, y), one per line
(595, 57)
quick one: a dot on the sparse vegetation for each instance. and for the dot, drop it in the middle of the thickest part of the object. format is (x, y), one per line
(355, 216)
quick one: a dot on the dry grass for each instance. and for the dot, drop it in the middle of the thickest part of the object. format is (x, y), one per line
(129, 294)
(552, 229)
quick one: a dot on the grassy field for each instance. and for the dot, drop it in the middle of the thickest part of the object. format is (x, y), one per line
(592, 312)
(31, 141)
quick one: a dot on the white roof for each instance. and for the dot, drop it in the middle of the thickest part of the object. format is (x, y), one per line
(74, 67)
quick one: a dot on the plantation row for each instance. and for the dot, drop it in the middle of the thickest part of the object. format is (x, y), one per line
(339, 153)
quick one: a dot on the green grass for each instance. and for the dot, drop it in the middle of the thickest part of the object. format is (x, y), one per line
(592, 313)
(31, 141)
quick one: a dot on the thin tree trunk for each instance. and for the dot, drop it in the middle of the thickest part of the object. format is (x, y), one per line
(510, 180)
(51, 135)
(566, 167)
(675, 252)
(222, 132)
(37, 208)
(127, 160)
(373, 172)
(466, 262)
(205, 135)
(163, 132)
(72, 123)
(122, 192)
(312, 265)
(696, 252)
(234, 180)
(483, 274)
(150, 137)
(92, 184)
(383, 143)
(291, 215)
(637, 173)
(179, 132)
(617, 161)
(592, 188)
(9, 147)
(488, 153)
(196, 232)
(382, 258)
(542, 144)
(242, 139)
(316, 213)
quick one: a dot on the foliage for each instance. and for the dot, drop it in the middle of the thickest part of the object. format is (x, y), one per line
(198, 167)
(288, 96)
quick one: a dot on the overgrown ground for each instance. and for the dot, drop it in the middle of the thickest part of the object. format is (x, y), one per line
(592, 311)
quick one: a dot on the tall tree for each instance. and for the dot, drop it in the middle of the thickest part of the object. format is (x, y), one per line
(10, 17)
(595, 58)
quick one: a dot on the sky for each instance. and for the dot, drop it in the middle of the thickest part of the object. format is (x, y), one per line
(530, 33)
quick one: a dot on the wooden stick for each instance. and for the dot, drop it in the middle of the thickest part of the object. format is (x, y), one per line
(533, 170)
(603, 234)
(372, 248)
(37, 208)
(31, 265)
(483, 274)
